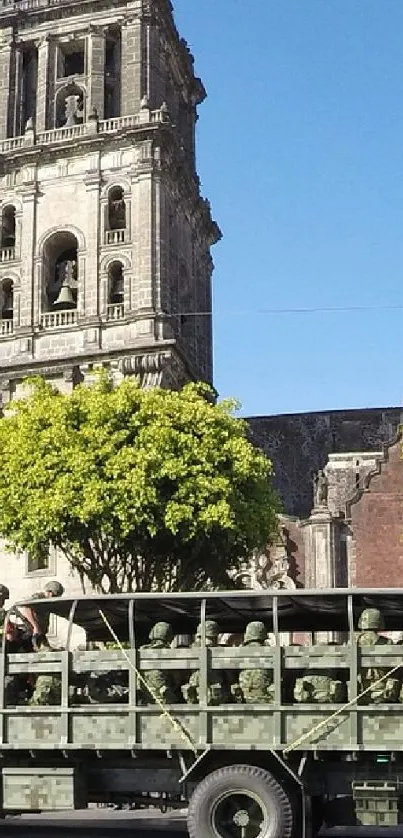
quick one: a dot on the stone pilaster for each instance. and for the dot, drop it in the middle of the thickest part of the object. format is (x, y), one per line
(96, 71)
(6, 50)
(143, 223)
(29, 312)
(44, 47)
(88, 291)
(132, 60)
(319, 539)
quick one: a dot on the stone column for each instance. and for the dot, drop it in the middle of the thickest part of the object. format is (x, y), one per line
(96, 72)
(6, 51)
(28, 295)
(142, 222)
(319, 532)
(320, 562)
(131, 66)
(42, 85)
(89, 290)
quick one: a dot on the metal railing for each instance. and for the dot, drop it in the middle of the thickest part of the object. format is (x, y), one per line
(59, 319)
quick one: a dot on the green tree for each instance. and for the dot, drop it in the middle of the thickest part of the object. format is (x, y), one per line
(141, 489)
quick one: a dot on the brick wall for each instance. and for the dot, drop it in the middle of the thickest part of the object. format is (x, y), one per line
(377, 526)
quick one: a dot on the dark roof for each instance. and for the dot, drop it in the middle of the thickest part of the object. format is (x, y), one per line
(300, 610)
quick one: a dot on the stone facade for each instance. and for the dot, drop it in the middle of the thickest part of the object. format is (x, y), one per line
(105, 238)
(299, 444)
(350, 532)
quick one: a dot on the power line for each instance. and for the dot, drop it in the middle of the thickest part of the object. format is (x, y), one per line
(300, 310)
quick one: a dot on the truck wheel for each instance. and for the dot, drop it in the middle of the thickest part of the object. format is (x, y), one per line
(239, 801)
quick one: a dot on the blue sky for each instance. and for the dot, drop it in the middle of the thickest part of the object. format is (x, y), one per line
(300, 150)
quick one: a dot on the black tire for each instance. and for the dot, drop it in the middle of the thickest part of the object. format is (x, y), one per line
(231, 786)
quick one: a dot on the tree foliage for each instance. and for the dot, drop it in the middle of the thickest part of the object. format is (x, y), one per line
(141, 489)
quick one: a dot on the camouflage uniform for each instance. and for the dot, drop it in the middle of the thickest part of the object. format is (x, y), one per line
(12, 683)
(255, 686)
(369, 625)
(160, 683)
(4, 594)
(111, 687)
(48, 688)
(217, 691)
(319, 686)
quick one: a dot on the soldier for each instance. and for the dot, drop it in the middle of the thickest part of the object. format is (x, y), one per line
(255, 686)
(39, 625)
(105, 688)
(217, 691)
(4, 595)
(159, 682)
(369, 625)
(319, 686)
(47, 689)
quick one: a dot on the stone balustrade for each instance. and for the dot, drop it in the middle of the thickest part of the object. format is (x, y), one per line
(29, 5)
(6, 328)
(115, 236)
(92, 126)
(7, 254)
(116, 311)
(59, 319)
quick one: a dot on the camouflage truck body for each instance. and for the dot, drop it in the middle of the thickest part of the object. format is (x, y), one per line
(303, 760)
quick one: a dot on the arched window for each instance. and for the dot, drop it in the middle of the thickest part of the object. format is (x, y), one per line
(116, 209)
(8, 227)
(7, 307)
(116, 291)
(70, 106)
(7, 299)
(60, 272)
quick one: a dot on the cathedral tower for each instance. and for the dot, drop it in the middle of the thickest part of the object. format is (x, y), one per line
(105, 240)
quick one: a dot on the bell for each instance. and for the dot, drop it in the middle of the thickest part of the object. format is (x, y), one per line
(65, 298)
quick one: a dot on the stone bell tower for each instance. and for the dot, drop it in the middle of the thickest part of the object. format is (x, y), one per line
(105, 240)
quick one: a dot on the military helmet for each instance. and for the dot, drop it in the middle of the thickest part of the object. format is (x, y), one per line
(370, 620)
(4, 592)
(255, 631)
(55, 588)
(161, 631)
(212, 630)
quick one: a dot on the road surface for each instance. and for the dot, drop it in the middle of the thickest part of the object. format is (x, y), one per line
(101, 823)
(143, 824)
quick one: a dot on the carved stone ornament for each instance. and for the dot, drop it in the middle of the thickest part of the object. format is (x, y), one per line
(268, 572)
(320, 489)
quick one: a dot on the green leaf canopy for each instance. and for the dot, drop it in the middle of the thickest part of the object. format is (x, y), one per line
(141, 489)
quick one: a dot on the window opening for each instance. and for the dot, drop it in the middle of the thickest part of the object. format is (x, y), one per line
(71, 59)
(112, 77)
(28, 86)
(38, 562)
(116, 284)
(7, 303)
(61, 272)
(8, 227)
(70, 107)
(116, 209)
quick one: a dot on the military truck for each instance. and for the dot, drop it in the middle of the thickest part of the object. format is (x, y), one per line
(258, 740)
